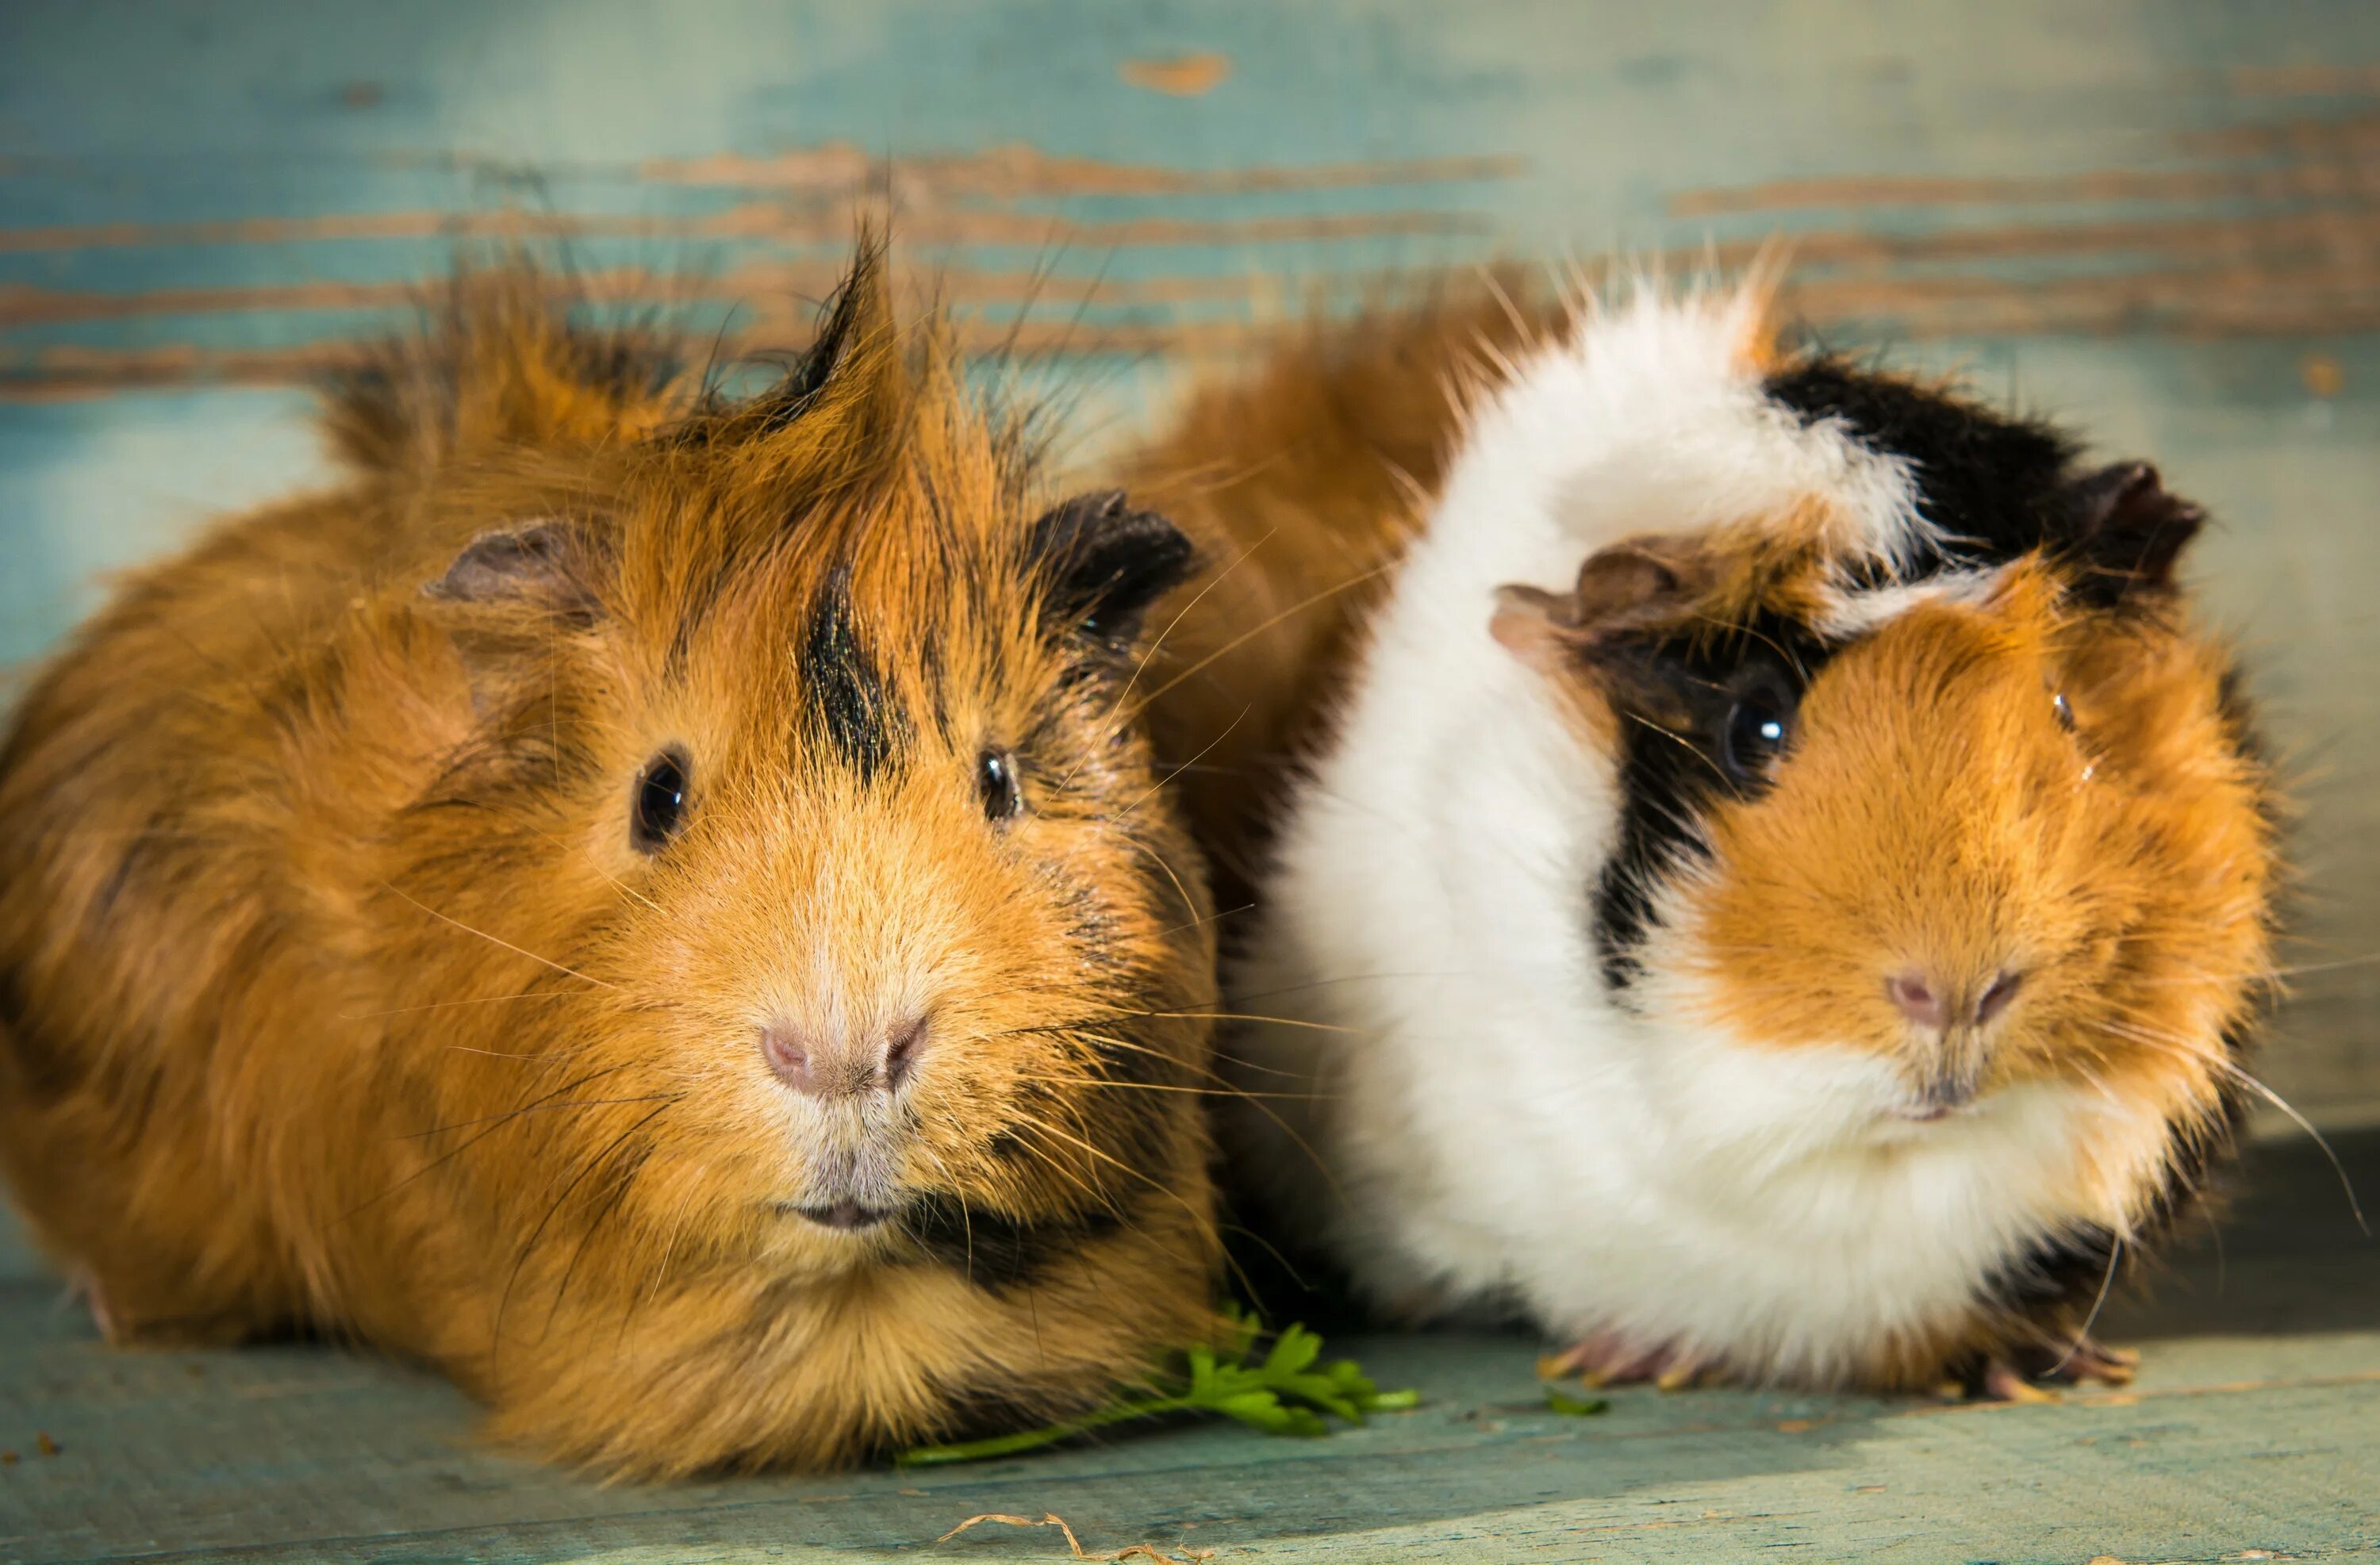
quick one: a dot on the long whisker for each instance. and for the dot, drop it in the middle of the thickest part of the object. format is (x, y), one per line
(499, 1123)
(2345, 1183)
(457, 922)
(1224, 1091)
(1205, 1221)
(1161, 785)
(2177, 1046)
(578, 1251)
(2115, 1254)
(1216, 917)
(539, 1108)
(1079, 1029)
(1179, 889)
(1255, 1100)
(1249, 635)
(537, 1234)
(1035, 1123)
(499, 1054)
(1150, 656)
(1252, 1016)
(444, 1004)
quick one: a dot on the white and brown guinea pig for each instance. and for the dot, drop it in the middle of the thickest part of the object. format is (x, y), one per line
(652, 904)
(1778, 887)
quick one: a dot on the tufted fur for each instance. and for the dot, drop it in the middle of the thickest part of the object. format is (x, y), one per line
(1572, 1016)
(336, 996)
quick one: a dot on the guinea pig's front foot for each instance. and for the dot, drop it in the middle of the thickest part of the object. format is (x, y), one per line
(2021, 1375)
(1606, 1358)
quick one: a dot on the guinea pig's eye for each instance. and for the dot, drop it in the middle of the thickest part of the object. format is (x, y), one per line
(1757, 727)
(2058, 704)
(995, 782)
(658, 809)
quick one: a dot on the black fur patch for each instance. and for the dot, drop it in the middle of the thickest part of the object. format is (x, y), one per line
(999, 1254)
(971, 1411)
(2060, 1274)
(1675, 695)
(1106, 564)
(1992, 486)
(41, 1073)
(847, 696)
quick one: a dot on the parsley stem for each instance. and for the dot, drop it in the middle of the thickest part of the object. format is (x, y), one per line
(1033, 1439)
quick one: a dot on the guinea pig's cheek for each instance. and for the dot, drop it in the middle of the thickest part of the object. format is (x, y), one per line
(1733, 1101)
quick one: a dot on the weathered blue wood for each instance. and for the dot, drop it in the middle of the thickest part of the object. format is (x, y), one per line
(2255, 1425)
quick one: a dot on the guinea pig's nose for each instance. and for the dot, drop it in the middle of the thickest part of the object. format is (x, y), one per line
(1919, 999)
(824, 1067)
(1936, 1006)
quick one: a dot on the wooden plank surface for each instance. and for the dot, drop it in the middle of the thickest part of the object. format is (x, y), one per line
(2255, 1425)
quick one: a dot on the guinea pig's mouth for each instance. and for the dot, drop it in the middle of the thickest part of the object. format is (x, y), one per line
(849, 1217)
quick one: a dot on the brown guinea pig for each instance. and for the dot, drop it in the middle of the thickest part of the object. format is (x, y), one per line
(653, 905)
(1774, 884)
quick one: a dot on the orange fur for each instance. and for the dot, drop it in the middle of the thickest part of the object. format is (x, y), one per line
(333, 997)
(1301, 482)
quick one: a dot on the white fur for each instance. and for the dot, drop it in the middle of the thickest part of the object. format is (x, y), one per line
(1490, 1125)
(1858, 614)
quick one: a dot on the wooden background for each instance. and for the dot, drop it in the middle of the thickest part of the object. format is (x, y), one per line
(2157, 219)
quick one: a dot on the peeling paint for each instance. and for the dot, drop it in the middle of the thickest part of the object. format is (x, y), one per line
(1178, 75)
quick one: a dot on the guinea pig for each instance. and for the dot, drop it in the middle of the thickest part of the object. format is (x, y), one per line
(650, 902)
(1771, 882)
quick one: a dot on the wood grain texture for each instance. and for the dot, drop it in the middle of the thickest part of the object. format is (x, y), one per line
(2159, 219)
(2255, 1425)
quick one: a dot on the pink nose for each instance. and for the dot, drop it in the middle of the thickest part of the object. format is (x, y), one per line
(821, 1067)
(1919, 1000)
(1933, 1005)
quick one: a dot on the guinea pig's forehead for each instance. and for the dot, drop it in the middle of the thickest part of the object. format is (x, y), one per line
(1937, 663)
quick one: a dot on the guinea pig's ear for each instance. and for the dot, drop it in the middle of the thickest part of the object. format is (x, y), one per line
(1106, 564)
(2126, 531)
(541, 564)
(1627, 587)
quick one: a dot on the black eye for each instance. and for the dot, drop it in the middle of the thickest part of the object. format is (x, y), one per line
(2064, 713)
(995, 782)
(1757, 727)
(658, 809)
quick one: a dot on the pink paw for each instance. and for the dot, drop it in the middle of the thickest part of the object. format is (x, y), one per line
(2019, 1375)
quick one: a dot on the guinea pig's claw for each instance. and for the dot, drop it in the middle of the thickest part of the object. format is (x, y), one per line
(2095, 1362)
(1603, 1358)
(2024, 1375)
(1684, 1372)
(96, 1298)
(2001, 1381)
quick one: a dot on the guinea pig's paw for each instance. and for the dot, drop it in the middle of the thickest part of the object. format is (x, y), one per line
(2090, 1360)
(1998, 1380)
(1607, 1358)
(2023, 1374)
(95, 1296)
